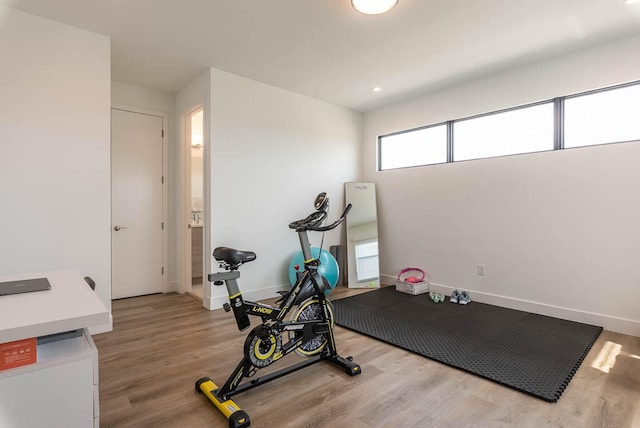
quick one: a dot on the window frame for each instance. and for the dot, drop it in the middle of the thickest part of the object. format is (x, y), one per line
(497, 112)
(593, 92)
(558, 128)
(421, 128)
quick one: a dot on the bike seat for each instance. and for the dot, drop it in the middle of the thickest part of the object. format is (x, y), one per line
(233, 256)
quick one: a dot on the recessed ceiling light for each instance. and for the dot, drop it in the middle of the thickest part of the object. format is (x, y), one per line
(376, 89)
(631, 1)
(373, 7)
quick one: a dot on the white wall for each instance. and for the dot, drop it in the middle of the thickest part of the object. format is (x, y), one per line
(54, 150)
(558, 231)
(271, 151)
(151, 100)
(127, 94)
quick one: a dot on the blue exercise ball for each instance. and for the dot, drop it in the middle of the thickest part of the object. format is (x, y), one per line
(328, 266)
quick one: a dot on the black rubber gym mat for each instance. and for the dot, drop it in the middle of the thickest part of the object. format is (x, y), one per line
(532, 353)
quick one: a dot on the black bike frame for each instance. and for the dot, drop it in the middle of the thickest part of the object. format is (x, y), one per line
(242, 308)
(308, 285)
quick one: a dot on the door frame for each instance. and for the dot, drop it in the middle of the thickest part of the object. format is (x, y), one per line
(184, 218)
(165, 184)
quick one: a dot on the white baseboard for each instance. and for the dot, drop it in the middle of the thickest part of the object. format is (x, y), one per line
(173, 286)
(215, 302)
(387, 280)
(608, 322)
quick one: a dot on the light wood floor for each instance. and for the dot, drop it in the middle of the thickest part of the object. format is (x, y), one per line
(161, 344)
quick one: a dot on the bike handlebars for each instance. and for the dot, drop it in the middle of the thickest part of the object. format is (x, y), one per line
(335, 223)
(313, 220)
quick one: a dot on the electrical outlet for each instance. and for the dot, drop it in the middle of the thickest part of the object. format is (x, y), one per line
(480, 269)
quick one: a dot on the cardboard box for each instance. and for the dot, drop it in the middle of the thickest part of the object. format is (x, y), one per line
(414, 288)
(18, 353)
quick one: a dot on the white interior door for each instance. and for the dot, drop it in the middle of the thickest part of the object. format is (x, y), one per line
(136, 201)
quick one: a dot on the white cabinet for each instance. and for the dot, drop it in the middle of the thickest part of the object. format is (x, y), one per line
(60, 390)
(196, 254)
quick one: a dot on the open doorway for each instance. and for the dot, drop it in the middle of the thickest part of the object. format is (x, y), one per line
(196, 200)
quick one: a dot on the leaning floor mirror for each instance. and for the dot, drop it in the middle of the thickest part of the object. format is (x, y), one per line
(362, 236)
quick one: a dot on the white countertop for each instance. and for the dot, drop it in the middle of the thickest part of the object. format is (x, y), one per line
(69, 305)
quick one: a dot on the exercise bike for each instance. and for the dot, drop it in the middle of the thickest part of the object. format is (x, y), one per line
(308, 331)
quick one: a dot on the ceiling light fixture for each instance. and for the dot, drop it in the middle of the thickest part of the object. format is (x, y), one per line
(373, 7)
(631, 1)
(376, 89)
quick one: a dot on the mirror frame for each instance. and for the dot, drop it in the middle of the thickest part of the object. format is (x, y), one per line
(362, 227)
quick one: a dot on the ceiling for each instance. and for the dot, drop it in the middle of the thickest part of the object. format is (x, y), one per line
(326, 50)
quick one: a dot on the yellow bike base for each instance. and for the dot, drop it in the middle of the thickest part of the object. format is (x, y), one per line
(237, 417)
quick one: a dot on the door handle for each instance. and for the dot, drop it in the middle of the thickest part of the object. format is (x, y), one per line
(117, 228)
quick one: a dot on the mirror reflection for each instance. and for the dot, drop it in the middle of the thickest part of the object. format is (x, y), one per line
(362, 236)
